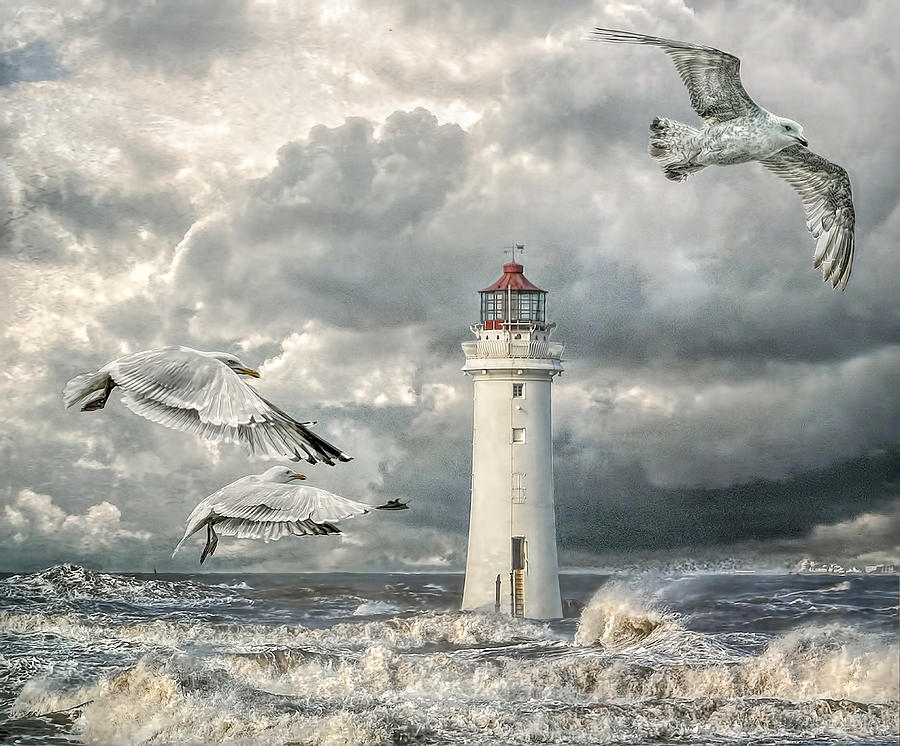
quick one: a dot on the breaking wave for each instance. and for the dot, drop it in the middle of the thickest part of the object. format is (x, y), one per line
(615, 619)
(382, 697)
(858, 669)
(811, 662)
(632, 671)
(647, 655)
(454, 629)
(619, 619)
(61, 585)
(376, 608)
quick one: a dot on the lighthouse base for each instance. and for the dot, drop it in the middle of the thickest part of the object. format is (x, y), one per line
(507, 582)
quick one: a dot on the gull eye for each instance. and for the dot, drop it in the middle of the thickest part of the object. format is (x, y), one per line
(787, 127)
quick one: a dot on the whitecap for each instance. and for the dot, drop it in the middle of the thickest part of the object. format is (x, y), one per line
(63, 585)
(376, 608)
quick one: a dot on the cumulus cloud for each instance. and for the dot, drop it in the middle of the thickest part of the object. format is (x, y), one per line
(337, 223)
(33, 517)
(870, 537)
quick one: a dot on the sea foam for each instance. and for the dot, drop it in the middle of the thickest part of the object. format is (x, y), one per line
(183, 700)
(634, 672)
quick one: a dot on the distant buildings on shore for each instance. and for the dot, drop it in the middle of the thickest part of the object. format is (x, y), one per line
(832, 568)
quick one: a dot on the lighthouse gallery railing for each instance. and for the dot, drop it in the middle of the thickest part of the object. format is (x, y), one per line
(535, 348)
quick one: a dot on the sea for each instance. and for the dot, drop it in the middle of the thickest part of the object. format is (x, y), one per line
(762, 659)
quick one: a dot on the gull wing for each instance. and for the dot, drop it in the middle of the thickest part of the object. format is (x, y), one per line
(824, 188)
(252, 509)
(183, 390)
(274, 436)
(181, 378)
(712, 77)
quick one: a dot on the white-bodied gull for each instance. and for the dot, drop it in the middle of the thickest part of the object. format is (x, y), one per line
(201, 393)
(738, 130)
(271, 505)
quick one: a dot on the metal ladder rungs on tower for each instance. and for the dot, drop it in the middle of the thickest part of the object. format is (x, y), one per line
(518, 584)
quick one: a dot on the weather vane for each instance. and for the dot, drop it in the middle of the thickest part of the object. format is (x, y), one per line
(520, 247)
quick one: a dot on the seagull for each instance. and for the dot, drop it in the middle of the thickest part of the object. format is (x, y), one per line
(268, 506)
(738, 130)
(201, 393)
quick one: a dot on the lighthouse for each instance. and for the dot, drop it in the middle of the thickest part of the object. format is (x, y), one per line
(511, 563)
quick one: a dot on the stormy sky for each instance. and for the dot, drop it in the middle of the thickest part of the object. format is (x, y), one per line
(323, 187)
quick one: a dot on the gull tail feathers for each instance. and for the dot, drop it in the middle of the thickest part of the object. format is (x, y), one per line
(179, 545)
(672, 144)
(83, 386)
(187, 535)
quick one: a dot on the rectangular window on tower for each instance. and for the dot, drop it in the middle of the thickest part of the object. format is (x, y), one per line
(518, 390)
(518, 435)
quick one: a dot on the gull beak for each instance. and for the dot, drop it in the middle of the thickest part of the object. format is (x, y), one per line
(298, 476)
(249, 372)
(802, 140)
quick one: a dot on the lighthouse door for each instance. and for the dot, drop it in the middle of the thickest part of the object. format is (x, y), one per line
(517, 576)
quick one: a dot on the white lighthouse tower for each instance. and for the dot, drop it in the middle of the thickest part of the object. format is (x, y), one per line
(511, 561)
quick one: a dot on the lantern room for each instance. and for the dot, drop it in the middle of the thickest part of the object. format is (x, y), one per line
(513, 301)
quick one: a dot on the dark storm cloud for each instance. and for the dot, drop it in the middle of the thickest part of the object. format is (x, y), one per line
(172, 37)
(29, 63)
(701, 425)
(621, 512)
(435, 470)
(772, 322)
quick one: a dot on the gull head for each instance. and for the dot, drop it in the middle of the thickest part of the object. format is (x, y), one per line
(234, 362)
(281, 475)
(790, 132)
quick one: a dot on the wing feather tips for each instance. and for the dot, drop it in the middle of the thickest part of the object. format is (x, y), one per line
(273, 530)
(843, 256)
(834, 254)
(825, 191)
(630, 37)
(297, 441)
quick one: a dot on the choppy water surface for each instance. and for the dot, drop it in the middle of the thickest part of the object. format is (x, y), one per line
(98, 658)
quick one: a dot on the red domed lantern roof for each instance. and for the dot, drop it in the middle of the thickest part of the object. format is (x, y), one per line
(512, 279)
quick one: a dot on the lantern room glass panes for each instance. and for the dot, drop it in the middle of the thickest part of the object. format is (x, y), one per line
(530, 306)
(527, 305)
(493, 305)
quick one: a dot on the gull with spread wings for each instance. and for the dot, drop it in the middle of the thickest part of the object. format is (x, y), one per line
(271, 505)
(738, 130)
(201, 393)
